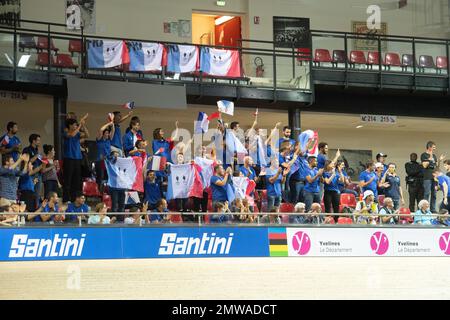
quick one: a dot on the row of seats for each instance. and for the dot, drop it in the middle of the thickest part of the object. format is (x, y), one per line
(41, 44)
(60, 61)
(373, 58)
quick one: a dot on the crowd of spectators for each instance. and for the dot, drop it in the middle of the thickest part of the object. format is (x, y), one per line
(288, 179)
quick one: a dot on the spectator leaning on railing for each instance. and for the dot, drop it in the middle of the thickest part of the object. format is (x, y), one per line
(101, 217)
(388, 208)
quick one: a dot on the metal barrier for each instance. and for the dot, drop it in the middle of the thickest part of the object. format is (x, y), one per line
(259, 215)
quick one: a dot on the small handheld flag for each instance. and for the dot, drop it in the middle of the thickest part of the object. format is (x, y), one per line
(256, 112)
(129, 105)
(5, 140)
(226, 106)
(214, 115)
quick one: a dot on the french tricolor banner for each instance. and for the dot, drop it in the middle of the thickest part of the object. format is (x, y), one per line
(158, 163)
(107, 54)
(202, 123)
(125, 173)
(128, 105)
(219, 62)
(146, 56)
(182, 58)
(309, 141)
(226, 106)
(5, 140)
(184, 182)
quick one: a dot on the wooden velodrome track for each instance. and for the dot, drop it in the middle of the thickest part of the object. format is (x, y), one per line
(230, 278)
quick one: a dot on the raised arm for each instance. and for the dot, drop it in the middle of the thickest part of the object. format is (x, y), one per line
(175, 135)
(104, 127)
(269, 138)
(126, 117)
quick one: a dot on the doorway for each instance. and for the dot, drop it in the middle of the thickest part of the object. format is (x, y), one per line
(216, 29)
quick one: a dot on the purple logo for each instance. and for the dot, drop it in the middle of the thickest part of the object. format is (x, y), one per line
(444, 243)
(301, 243)
(379, 243)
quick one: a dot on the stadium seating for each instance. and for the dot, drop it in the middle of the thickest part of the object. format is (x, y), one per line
(407, 61)
(339, 56)
(426, 61)
(42, 60)
(441, 63)
(392, 59)
(404, 220)
(373, 57)
(381, 199)
(26, 42)
(42, 44)
(357, 57)
(176, 218)
(75, 46)
(347, 200)
(287, 207)
(64, 61)
(321, 55)
(90, 189)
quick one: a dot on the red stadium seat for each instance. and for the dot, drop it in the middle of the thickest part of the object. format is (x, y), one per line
(42, 60)
(74, 46)
(357, 57)
(441, 63)
(90, 189)
(106, 198)
(42, 44)
(287, 207)
(405, 219)
(391, 59)
(348, 199)
(322, 205)
(26, 42)
(373, 57)
(381, 199)
(321, 55)
(176, 218)
(342, 220)
(303, 54)
(263, 195)
(64, 61)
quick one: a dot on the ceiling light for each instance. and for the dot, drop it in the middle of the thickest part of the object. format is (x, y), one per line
(360, 126)
(9, 59)
(222, 19)
(23, 60)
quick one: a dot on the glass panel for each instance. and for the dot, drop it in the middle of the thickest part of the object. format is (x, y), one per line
(328, 47)
(258, 63)
(429, 56)
(397, 56)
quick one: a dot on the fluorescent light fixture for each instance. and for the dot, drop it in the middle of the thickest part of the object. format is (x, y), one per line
(359, 127)
(222, 19)
(23, 60)
(221, 3)
(9, 59)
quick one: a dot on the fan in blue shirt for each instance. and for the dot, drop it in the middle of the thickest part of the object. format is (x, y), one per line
(152, 190)
(162, 147)
(444, 185)
(78, 206)
(9, 142)
(368, 179)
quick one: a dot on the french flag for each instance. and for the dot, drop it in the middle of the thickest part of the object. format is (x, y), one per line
(5, 140)
(125, 173)
(146, 56)
(107, 54)
(202, 123)
(218, 62)
(309, 141)
(158, 163)
(182, 58)
(129, 105)
(184, 181)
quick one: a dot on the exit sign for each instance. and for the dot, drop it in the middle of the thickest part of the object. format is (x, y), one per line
(221, 3)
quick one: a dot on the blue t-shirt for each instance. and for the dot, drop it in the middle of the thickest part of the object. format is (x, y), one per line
(281, 140)
(393, 191)
(47, 210)
(129, 140)
(218, 193)
(73, 208)
(26, 183)
(152, 192)
(334, 184)
(342, 184)
(314, 186)
(33, 152)
(165, 144)
(245, 171)
(116, 140)
(441, 180)
(274, 189)
(103, 148)
(154, 217)
(321, 159)
(13, 141)
(366, 176)
(72, 149)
